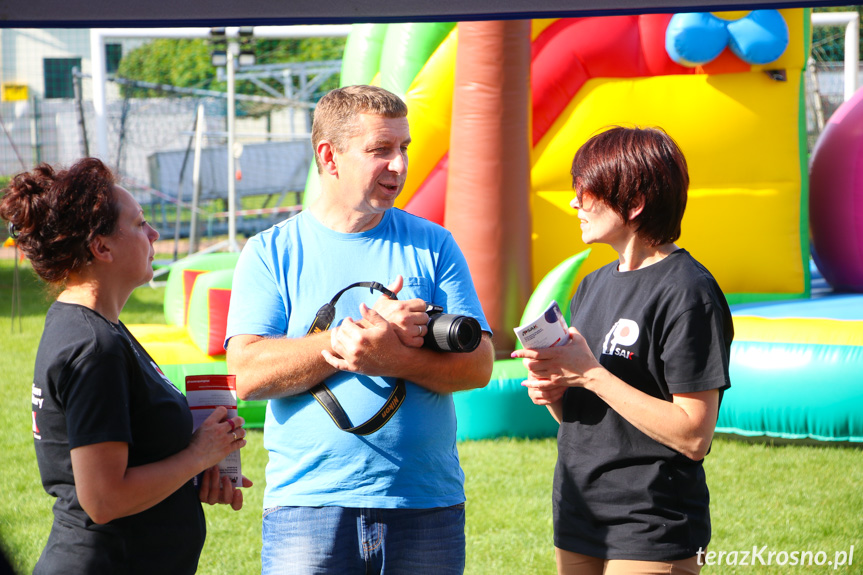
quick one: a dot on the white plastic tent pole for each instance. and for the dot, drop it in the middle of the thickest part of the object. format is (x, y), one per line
(97, 56)
(852, 57)
(851, 21)
(100, 74)
(98, 71)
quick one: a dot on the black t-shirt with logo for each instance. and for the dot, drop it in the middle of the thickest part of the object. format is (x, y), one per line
(93, 383)
(618, 494)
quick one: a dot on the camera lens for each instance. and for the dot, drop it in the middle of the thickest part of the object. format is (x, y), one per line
(450, 332)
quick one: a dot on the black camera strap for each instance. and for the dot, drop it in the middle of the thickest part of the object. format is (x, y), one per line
(323, 318)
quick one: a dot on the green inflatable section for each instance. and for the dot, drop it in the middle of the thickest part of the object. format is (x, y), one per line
(395, 51)
(207, 319)
(772, 392)
(361, 60)
(557, 285)
(203, 320)
(406, 49)
(177, 289)
(503, 408)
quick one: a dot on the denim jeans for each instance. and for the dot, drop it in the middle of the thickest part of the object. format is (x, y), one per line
(339, 540)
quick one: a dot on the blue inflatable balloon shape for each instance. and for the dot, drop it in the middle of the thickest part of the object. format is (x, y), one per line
(759, 38)
(696, 38)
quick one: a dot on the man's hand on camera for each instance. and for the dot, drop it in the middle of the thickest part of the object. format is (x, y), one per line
(370, 346)
(408, 317)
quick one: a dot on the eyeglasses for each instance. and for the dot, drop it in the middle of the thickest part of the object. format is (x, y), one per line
(582, 200)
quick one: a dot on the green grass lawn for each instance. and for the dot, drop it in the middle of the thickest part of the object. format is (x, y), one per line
(790, 498)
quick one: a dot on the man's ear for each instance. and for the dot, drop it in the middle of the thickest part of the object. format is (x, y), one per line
(101, 250)
(327, 155)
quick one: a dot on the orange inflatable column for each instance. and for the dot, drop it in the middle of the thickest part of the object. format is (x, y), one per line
(487, 199)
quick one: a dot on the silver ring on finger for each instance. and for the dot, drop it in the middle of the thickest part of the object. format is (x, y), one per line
(235, 435)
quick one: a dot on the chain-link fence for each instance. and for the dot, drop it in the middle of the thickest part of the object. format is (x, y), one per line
(150, 145)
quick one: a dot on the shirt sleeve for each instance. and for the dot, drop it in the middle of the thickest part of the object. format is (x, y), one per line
(696, 354)
(96, 400)
(258, 305)
(454, 290)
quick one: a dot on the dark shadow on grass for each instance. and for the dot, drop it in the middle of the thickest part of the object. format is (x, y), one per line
(782, 442)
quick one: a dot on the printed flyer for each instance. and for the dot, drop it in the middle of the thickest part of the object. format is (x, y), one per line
(548, 330)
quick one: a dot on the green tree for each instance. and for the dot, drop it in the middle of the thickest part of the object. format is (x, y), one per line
(183, 63)
(186, 63)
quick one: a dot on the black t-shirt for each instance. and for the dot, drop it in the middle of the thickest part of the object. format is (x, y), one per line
(618, 494)
(94, 383)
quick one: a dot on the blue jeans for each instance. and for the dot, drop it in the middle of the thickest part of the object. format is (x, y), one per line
(340, 540)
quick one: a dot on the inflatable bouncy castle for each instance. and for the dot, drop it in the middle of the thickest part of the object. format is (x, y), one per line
(737, 120)
(497, 110)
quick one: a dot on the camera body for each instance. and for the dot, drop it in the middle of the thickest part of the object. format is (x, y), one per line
(451, 332)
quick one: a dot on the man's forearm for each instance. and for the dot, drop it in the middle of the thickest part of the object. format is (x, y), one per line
(271, 368)
(446, 372)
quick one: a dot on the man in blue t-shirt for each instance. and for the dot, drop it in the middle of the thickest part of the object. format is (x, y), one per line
(392, 500)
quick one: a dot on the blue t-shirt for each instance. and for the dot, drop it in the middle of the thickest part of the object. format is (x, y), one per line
(284, 275)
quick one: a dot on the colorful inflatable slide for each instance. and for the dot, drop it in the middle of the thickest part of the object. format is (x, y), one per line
(729, 88)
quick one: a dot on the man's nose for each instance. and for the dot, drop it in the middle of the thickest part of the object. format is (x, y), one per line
(399, 163)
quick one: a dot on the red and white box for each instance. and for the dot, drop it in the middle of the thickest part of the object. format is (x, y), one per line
(204, 394)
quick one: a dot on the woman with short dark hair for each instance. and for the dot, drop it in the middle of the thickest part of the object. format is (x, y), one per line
(113, 436)
(637, 388)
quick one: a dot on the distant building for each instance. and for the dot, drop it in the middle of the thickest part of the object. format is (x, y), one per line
(38, 62)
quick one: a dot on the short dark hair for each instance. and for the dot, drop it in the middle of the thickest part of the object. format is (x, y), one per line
(622, 165)
(336, 113)
(56, 214)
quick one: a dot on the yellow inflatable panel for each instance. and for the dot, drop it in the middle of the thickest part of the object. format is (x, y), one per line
(146, 333)
(429, 101)
(538, 26)
(739, 135)
(170, 345)
(815, 331)
(735, 129)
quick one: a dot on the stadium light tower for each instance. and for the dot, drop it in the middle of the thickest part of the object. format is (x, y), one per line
(226, 52)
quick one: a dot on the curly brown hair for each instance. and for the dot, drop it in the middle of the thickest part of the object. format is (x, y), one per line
(56, 214)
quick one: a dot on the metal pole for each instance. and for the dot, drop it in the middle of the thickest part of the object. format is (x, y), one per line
(233, 50)
(79, 107)
(817, 105)
(196, 181)
(35, 132)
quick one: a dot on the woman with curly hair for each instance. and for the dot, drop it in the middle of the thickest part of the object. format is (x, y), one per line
(113, 435)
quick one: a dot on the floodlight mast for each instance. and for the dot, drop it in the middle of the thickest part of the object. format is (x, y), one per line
(233, 49)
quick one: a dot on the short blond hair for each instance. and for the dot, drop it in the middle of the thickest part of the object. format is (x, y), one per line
(335, 118)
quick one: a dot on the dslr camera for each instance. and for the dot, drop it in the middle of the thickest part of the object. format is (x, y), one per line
(451, 332)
